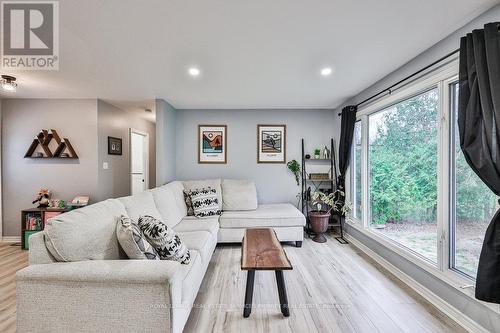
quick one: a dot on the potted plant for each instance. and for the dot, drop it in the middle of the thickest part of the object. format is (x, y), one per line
(325, 204)
(294, 167)
(317, 153)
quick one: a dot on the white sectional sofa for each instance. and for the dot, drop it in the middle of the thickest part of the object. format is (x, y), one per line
(80, 280)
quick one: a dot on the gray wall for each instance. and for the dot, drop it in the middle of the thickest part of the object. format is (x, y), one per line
(112, 121)
(166, 139)
(274, 182)
(22, 119)
(474, 309)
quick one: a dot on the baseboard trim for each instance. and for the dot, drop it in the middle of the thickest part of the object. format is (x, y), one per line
(457, 316)
(11, 239)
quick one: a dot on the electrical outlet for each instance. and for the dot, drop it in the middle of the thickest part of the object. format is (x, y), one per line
(105, 165)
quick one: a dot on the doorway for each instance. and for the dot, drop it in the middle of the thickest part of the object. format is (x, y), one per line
(139, 161)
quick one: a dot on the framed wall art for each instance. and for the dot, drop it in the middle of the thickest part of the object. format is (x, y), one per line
(271, 143)
(114, 146)
(212, 144)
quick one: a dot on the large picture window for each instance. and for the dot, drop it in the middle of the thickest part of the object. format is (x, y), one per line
(402, 164)
(411, 187)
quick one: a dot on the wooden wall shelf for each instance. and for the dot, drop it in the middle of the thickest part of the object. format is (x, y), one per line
(44, 138)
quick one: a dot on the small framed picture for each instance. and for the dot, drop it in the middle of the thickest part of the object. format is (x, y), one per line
(114, 146)
(271, 143)
(212, 144)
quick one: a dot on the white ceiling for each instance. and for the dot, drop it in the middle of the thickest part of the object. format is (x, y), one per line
(251, 53)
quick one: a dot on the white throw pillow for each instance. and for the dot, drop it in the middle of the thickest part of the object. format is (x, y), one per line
(165, 241)
(205, 202)
(212, 183)
(238, 195)
(133, 241)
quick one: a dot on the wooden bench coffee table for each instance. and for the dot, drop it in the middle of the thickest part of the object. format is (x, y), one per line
(262, 251)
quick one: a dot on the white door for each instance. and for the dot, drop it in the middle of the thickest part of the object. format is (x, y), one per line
(139, 148)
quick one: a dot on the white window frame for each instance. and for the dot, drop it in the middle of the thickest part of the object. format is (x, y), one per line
(439, 78)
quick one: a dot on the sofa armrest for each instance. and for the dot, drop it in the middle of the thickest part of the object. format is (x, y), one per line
(98, 296)
(38, 252)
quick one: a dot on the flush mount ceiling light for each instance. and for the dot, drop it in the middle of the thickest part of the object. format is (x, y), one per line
(8, 83)
(193, 71)
(326, 71)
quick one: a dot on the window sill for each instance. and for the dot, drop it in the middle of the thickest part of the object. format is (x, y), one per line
(460, 282)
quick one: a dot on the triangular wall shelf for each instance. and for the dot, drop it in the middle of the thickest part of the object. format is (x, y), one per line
(44, 138)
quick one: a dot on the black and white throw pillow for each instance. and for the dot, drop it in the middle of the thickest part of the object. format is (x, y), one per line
(189, 204)
(132, 240)
(166, 242)
(205, 202)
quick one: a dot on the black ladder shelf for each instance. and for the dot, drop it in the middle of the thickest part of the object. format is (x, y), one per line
(311, 185)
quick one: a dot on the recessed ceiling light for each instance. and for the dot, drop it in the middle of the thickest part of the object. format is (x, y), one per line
(326, 71)
(193, 71)
(8, 83)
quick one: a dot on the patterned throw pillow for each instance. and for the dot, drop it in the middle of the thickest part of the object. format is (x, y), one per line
(132, 240)
(205, 202)
(189, 204)
(168, 245)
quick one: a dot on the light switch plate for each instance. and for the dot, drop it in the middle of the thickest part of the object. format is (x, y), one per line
(105, 165)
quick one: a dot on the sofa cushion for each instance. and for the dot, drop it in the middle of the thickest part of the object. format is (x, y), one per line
(164, 240)
(269, 215)
(192, 275)
(132, 240)
(88, 233)
(140, 204)
(205, 202)
(169, 200)
(238, 195)
(201, 241)
(212, 183)
(191, 223)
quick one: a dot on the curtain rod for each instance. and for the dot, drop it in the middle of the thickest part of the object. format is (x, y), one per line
(389, 89)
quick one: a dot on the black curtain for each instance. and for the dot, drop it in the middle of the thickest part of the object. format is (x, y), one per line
(346, 133)
(479, 128)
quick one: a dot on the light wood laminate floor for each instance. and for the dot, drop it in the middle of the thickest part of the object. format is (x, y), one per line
(332, 288)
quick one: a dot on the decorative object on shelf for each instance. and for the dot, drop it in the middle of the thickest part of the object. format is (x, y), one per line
(57, 204)
(307, 156)
(8, 83)
(317, 153)
(212, 144)
(42, 198)
(325, 204)
(319, 176)
(43, 139)
(271, 143)
(79, 201)
(115, 146)
(294, 167)
(326, 153)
